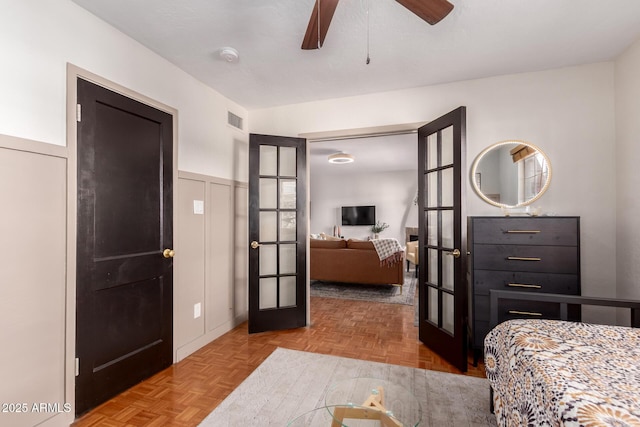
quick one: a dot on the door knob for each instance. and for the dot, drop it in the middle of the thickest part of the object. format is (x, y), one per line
(254, 245)
(455, 253)
(168, 253)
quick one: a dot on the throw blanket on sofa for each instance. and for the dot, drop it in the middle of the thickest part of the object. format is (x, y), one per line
(389, 251)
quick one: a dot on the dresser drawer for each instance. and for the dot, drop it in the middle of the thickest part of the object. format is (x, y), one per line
(545, 259)
(512, 309)
(546, 231)
(484, 280)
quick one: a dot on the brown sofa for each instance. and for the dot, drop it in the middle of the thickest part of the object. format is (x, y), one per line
(352, 261)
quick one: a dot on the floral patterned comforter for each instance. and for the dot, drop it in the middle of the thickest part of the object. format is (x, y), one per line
(554, 373)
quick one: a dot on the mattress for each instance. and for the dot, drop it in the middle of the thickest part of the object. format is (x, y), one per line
(556, 373)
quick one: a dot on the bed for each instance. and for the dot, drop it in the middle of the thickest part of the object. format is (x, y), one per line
(556, 373)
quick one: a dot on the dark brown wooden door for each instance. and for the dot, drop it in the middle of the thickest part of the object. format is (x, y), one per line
(124, 284)
(443, 255)
(277, 233)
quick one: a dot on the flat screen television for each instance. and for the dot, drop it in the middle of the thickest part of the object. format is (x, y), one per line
(358, 215)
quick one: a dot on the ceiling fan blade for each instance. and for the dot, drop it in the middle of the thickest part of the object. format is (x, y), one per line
(431, 11)
(327, 7)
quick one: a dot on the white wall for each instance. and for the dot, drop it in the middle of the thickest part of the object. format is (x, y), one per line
(627, 72)
(568, 113)
(38, 38)
(391, 193)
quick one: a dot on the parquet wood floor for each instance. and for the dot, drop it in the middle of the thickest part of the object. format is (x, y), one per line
(185, 393)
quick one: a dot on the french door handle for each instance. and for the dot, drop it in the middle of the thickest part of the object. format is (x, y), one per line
(254, 245)
(455, 253)
(168, 253)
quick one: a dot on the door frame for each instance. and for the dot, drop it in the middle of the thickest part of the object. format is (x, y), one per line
(73, 73)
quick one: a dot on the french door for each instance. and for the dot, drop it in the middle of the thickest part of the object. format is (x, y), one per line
(277, 233)
(442, 237)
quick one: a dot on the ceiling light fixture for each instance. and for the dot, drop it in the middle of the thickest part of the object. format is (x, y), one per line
(341, 158)
(229, 54)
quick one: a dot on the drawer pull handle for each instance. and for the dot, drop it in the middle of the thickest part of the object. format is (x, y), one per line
(524, 313)
(522, 285)
(523, 231)
(521, 258)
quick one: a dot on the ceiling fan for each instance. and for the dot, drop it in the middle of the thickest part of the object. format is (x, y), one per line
(431, 11)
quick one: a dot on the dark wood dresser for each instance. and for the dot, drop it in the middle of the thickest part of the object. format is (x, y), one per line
(536, 254)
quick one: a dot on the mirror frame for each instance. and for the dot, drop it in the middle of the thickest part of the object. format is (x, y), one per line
(477, 160)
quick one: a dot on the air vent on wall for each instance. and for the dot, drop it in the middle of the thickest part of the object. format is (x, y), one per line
(235, 121)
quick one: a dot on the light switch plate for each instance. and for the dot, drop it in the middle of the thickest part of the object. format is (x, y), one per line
(196, 310)
(198, 207)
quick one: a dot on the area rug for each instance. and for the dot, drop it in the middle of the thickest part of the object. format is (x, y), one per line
(290, 383)
(378, 293)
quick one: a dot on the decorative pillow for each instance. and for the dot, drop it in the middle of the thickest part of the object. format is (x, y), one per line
(360, 244)
(328, 244)
(327, 237)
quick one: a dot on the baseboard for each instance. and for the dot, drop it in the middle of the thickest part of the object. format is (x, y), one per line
(201, 341)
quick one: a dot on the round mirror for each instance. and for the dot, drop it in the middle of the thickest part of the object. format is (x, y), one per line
(511, 174)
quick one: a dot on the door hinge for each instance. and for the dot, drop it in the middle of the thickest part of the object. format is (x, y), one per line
(77, 366)
(78, 112)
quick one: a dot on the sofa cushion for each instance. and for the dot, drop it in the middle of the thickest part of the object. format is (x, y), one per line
(360, 244)
(328, 244)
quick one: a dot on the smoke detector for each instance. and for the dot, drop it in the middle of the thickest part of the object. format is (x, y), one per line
(229, 54)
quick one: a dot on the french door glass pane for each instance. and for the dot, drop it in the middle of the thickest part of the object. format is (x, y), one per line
(432, 306)
(268, 193)
(447, 271)
(447, 146)
(268, 226)
(287, 291)
(287, 259)
(268, 260)
(288, 226)
(432, 151)
(268, 160)
(432, 189)
(447, 229)
(287, 194)
(447, 312)
(432, 230)
(447, 187)
(268, 293)
(432, 265)
(287, 161)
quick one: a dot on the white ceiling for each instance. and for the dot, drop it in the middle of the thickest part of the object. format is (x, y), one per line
(480, 38)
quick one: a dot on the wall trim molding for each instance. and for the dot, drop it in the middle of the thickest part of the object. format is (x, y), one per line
(32, 146)
(216, 282)
(211, 179)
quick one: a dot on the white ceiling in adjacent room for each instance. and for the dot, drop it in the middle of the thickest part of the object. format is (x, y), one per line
(372, 155)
